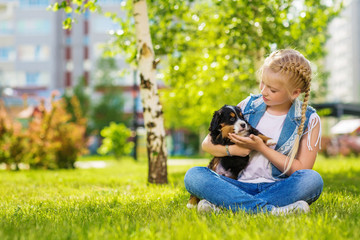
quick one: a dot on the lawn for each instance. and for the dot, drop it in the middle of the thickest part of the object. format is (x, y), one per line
(117, 203)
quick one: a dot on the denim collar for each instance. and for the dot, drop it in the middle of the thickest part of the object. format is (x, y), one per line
(258, 105)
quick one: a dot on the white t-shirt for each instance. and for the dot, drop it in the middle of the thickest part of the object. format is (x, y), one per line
(259, 168)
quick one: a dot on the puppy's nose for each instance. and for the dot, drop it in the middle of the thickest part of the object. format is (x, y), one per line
(242, 125)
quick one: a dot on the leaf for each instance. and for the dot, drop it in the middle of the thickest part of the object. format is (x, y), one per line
(68, 9)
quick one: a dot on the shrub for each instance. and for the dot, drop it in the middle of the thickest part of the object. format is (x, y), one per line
(56, 141)
(51, 140)
(115, 140)
(14, 144)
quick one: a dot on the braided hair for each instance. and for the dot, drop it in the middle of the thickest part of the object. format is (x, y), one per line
(296, 70)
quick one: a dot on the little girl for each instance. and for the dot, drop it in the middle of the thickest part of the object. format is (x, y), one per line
(278, 179)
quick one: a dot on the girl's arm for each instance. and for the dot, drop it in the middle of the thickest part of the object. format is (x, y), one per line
(305, 158)
(220, 150)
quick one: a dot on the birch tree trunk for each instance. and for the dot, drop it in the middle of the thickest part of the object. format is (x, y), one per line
(153, 114)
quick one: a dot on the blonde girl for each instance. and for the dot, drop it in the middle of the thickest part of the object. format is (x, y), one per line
(278, 179)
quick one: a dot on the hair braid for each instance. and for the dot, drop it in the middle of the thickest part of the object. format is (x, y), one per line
(297, 71)
(303, 111)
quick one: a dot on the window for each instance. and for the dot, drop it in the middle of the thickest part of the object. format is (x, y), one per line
(6, 27)
(68, 41)
(32, 79)
(28, 53)
(86, 40)
(8, 78)
(33, 27)
(7, 54)
(34, 3)
(110, 2)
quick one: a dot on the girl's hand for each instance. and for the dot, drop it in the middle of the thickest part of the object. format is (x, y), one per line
(220, 151)
(252, 142)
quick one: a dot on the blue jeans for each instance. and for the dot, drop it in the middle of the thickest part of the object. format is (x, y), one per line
(228, 193)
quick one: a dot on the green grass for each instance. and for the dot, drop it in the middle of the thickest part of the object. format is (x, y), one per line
(117, 203)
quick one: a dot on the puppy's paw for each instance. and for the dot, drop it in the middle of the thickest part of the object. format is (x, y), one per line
(270, 142)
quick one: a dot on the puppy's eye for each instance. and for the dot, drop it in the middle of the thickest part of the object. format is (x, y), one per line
(232, 119)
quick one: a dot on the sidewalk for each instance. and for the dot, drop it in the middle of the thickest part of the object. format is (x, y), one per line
(170, 162)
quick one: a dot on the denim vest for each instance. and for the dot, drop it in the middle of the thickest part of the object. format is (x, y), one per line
(255, 109)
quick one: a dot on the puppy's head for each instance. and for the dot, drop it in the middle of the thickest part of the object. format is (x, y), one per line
(227, 119)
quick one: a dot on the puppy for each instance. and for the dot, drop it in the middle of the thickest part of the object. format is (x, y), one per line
(229, 119)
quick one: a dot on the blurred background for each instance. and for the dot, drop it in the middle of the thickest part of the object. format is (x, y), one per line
(73, 92)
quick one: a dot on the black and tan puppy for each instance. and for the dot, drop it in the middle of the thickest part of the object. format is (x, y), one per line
(229, 119)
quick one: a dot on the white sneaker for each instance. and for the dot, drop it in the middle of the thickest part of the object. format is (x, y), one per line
(204, 206)
(296, 207)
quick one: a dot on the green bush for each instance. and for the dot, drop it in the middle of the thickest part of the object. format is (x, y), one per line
(51, 140)
(56, 140)
(14, 144)
(116, 140)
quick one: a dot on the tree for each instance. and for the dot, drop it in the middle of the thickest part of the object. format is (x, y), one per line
(211, 49)
(152, 109)
(153, 114)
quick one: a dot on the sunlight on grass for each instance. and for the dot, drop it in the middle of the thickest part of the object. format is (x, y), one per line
(116, 202)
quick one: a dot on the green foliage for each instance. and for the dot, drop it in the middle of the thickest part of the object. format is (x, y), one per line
(76, 6)
(116, 140)
(77, 101)
(104, 76)
(324, 112)
(212, 49)
(218, 48)
(107, 72)
(117, 203)
(56, 142)
(51, 141)
(14, 144)
(109, 108)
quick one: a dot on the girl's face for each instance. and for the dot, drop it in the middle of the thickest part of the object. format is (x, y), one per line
(275, 92)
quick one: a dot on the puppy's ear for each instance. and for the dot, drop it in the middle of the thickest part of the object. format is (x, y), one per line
(238, 109)
(215, 122)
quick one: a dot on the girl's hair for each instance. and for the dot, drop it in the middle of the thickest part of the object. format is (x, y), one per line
(297, 74)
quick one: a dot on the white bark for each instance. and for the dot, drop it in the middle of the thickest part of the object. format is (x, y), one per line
(153, 115)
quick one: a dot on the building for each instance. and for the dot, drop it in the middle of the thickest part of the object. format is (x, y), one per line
(343, 60)
(37, 55)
